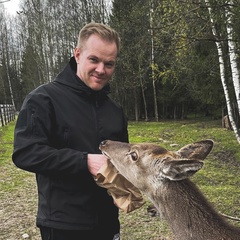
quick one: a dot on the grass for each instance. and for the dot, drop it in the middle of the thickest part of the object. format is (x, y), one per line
(219, 179)
(10, 176)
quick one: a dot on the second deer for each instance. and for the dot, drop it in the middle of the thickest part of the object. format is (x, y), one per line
(162, 176)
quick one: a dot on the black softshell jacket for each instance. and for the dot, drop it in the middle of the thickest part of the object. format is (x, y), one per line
(58, 125)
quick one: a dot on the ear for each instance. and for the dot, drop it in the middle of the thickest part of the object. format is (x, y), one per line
(76, 53)
(176, 170)
(198, 150)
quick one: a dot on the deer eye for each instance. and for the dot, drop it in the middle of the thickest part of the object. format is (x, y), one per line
(134, 156)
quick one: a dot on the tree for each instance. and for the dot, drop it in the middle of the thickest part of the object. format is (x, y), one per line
(168, 65)
(222, 66)
(233, 52)
(6, 61)
(130, 20)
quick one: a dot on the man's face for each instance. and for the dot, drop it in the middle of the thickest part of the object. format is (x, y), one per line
(96, 62)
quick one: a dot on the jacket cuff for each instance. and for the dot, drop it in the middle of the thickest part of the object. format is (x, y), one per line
(85, 160)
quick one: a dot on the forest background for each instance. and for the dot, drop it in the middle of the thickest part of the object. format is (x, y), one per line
(169, 67)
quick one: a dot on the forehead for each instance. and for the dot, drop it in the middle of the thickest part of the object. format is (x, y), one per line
(96, 46)
(153, 148)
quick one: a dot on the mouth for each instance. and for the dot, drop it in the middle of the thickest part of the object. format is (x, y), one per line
(98, 78)
(106, 155)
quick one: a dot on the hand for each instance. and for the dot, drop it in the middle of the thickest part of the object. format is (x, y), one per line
(95, 161)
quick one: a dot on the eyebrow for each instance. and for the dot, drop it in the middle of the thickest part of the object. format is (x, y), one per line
(108, 61)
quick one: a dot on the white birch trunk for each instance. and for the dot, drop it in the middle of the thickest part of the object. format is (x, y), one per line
(233, 55)
(153, 63)
(222, 74)
(7, 63)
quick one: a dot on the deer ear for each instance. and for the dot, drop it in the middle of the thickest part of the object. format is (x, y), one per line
(176, 170)
(197, 150)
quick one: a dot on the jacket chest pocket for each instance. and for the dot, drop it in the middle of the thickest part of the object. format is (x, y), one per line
(66, 136)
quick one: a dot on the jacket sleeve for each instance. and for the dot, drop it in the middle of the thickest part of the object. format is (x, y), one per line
(33, 150)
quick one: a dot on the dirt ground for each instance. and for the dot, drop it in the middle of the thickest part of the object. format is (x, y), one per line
(18, 210)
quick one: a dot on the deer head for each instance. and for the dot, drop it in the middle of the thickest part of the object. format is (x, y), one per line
(146, 164)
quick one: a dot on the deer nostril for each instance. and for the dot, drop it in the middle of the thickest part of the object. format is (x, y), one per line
(103, 143)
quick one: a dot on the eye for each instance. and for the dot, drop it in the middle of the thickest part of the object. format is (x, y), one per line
(134, 156)
(109, 64)
(93, 60)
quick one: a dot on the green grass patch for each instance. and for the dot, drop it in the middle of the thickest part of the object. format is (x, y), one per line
(10, 176)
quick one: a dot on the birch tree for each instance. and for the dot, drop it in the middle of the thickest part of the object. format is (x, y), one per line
(233, 53)
(151, 20)
(222, 72)
(6, 53)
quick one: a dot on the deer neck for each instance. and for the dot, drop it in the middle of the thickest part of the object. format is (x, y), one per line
(187, 211)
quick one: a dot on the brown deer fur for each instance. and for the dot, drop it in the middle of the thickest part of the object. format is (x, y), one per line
(162, 176)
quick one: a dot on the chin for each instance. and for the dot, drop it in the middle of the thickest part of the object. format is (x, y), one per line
(96, 88)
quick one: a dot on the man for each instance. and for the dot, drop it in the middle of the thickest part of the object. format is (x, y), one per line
(57, 135)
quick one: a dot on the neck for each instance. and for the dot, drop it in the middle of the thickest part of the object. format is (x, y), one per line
(188, 213)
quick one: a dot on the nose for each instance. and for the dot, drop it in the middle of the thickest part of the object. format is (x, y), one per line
(103, 143)
(100, 68)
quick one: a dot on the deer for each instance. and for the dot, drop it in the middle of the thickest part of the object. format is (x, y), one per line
(163, 176)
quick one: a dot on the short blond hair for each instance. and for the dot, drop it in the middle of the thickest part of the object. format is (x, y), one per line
(101, 30)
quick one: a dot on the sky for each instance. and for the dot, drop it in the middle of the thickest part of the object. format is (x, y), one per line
(11, 6)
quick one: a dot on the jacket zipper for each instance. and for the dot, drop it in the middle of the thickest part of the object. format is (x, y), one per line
(95, 108)
(66, 136)
(33, 122)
